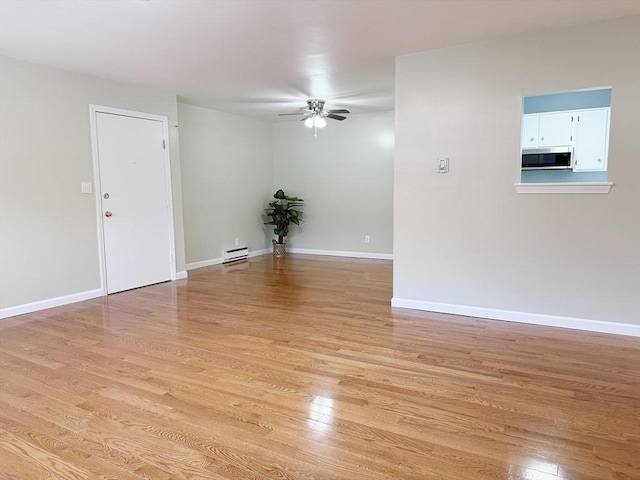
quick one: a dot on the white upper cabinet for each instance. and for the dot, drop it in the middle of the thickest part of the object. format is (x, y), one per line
(592, 139)
(554, 129)
(541, 130)
(586, 131)
(530, 131)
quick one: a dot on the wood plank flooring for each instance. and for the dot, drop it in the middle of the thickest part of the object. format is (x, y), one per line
(300, 369)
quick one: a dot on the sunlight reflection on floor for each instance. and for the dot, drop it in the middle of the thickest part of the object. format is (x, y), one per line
(320, 414)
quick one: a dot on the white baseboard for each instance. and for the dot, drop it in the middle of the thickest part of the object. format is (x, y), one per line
(203, 263)
(49, 303)
(181, 275)
(521, 317)
(338, 253)
(257, 253)
(218, 261)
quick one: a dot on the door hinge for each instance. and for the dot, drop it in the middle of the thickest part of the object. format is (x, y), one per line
(164, 145)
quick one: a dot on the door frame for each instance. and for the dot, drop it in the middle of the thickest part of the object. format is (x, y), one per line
(93, 111)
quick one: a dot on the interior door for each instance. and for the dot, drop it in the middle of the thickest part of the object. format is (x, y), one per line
(135, 201)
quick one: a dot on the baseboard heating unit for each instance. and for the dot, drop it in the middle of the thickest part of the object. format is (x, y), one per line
(235, 254)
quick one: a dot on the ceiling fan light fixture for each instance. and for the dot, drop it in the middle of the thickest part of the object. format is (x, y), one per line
(314, 114)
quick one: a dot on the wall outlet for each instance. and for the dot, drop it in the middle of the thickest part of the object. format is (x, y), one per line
(367, 239)
(237, 242)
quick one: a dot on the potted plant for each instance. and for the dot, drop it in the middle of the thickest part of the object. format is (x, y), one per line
(282, 212)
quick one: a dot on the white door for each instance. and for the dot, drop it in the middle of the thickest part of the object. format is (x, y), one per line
(135, 201)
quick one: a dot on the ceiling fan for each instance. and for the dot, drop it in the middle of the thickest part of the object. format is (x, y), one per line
(314, 114)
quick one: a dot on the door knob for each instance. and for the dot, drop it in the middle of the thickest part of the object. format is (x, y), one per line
(107, 213)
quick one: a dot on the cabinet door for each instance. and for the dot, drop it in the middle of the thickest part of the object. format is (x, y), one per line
(592, 135)
(555, 129)
(529, 137)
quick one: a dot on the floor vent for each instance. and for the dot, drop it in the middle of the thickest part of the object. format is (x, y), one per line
(235, 254)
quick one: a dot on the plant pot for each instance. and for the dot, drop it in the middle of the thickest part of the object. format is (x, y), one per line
(278, 250)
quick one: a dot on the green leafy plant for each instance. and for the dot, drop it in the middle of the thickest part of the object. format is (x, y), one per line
(283, 211)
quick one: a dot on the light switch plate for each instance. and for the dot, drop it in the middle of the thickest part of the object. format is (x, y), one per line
(86, 187)
(443, 165)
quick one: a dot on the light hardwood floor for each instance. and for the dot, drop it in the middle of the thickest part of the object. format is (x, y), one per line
(300, 369)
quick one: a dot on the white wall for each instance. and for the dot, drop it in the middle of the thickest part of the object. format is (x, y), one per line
(227, 172)
(345, 176)
(232, 165)
(48, 229)
(466, 238)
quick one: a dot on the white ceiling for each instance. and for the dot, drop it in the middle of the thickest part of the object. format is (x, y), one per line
(261, 57)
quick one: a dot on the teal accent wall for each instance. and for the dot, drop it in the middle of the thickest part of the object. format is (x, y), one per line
(561, 176)
(556, 102)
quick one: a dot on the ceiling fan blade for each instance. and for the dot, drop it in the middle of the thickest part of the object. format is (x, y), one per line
(342, 110)
(303, 111)
(335, 117)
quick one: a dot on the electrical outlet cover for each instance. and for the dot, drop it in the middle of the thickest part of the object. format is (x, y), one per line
(443, 165)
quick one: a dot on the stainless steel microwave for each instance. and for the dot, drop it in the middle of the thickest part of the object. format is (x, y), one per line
(556, 158)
